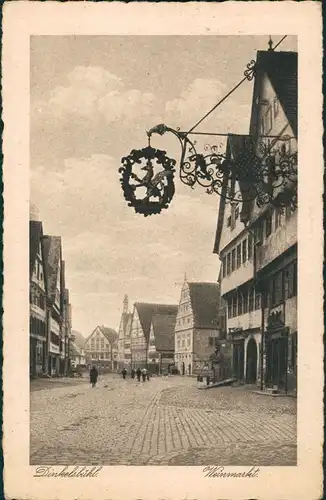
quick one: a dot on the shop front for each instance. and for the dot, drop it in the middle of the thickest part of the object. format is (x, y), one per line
(277, 350)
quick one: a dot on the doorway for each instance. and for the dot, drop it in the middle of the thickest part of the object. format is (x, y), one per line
(238, 359)
(251, 364)
(276, 369)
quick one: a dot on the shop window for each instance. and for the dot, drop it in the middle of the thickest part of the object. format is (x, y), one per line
(251, 299)
(238, 256)
(228, 265)
(233, 260)
(244, 251)
(224, 267)
(268, 224)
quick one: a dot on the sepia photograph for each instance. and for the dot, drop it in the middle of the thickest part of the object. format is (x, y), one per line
(163, 250)
(163, 224)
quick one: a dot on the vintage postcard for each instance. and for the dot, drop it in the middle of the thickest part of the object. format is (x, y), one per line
(162, 250)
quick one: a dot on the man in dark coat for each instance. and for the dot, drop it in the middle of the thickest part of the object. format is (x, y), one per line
(138, 373)
(133, 373)
(93, 374)
(124, 373)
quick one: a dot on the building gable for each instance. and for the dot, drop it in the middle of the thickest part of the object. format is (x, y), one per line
(185, 317)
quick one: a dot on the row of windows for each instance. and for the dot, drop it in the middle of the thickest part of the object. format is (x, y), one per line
(243, 251)
(100, 355)
(182, 343)
(237, 256)
(37, 326)
(183, 321)
(183, 307)
(37, 299)
(243, 302)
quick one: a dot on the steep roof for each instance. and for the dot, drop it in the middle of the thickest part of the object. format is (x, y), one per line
(163, 326)
(109, 333)
(52, 258)
(282, 71)
(146, 311)
(35, 235)
(79, 339)
(205, 301)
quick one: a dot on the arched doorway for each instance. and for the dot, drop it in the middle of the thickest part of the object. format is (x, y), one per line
(251, 364)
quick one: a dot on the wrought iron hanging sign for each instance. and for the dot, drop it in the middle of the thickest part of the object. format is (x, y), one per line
(147, 180)
(264, 171)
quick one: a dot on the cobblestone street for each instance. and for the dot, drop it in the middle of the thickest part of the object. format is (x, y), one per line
(166, 421)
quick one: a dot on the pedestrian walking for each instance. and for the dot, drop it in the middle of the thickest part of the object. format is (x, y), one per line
(93, 375)
(124, 373)
(144, 373)
(133, 373)
(138, 373)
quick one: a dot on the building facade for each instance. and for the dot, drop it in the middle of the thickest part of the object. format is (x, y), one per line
(38, 310)
(55, 313)
(141, 323)
(257, 245)
(160, 353)
(101, 348)
(123, 342)
(197, 326)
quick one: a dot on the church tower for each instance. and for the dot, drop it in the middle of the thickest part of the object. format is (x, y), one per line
(125, 304)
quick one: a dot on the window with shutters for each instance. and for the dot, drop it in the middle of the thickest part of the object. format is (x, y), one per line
(233, 260)
(244, 251)
(238, 256)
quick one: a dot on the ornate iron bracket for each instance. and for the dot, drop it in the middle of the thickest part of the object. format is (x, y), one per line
(264, 171)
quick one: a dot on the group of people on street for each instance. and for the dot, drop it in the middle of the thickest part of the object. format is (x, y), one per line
(140, 374)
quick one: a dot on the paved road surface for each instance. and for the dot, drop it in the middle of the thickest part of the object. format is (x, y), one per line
(166, 421)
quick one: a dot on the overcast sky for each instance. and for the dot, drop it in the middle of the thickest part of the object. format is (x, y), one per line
(92, 99)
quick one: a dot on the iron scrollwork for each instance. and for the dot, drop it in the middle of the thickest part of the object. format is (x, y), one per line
(152, 191)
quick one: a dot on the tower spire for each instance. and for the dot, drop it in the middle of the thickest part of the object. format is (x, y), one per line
(125, 304)
(270, 43)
